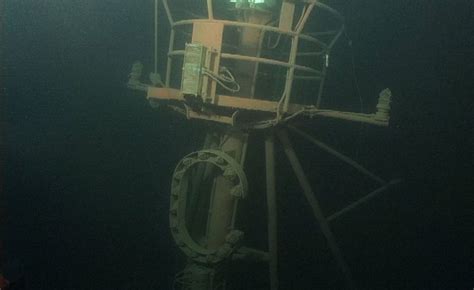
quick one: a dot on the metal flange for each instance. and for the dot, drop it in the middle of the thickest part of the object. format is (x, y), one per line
(231, 170)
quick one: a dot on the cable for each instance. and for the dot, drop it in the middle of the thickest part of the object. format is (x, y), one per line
(225, 77)
(221, 83)
(156, 38)
(303, 11)
(277, 41)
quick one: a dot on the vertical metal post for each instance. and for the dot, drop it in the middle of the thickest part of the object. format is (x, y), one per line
(169, 65)
(171, 43)
(255, 71)
(156, 38)
(321, 87)
(250, 45)
(168, 12)
(318, 214)
(306, 14)
(292, 58)
(223, 201)
(272, 210)
(290, 75)
(210, 10)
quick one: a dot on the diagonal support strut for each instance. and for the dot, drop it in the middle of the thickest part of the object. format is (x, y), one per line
(338, 155)
(272, 209)
(314, 203)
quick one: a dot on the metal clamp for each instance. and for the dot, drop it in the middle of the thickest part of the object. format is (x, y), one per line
(232, 170)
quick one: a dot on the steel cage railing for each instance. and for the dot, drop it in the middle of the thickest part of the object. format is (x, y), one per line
(291, 65)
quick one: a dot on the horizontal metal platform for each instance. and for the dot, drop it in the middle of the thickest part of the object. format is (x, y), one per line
(264, 106)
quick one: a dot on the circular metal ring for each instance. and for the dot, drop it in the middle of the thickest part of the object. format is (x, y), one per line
(232, 170)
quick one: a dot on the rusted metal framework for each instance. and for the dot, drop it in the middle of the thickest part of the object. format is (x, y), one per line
(208, 184)
(210, 31)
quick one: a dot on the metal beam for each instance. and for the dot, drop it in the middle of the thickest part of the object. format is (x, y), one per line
(362, 200)
(272, 210)
(313, 202)
(337, 154)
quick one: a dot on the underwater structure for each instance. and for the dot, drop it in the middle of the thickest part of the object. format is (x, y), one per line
(245, 64)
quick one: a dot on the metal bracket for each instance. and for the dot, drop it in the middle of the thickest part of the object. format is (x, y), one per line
(179, 190)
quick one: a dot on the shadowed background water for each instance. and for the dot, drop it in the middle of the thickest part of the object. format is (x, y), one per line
(89, 162)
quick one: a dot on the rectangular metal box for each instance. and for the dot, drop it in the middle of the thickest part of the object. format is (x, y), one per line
(194, 59)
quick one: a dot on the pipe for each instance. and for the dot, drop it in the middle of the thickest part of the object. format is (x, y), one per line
(317, 212)
(272, 210)
(252, 25)
(301, 24)
(156, 37)
(290, 73)
(255, 59)
(338, 155)
(362, 200)
(210, 10)
(170, 58)
(168, 13)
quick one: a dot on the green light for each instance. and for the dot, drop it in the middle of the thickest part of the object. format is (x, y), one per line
(248, 1)
(252, 3)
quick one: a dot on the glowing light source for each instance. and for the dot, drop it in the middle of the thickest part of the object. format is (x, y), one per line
(252, 3)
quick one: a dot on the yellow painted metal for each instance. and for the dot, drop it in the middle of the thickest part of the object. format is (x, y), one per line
(249, 47)
(286, 15)
(222, 204)
(210, 35)
(184, 183)
(251, 24)
(168, 94)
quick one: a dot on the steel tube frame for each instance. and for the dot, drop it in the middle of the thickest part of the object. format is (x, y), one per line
(155, 55)
(294, 34)
(255, 59)
(317, 212)
(269, 61)
(210, 9)
(272, 210)
(362, 200)
(290, 74)
(252, 25)
(291, 66)
(336, 154)
(170, 58)
(349, 116)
